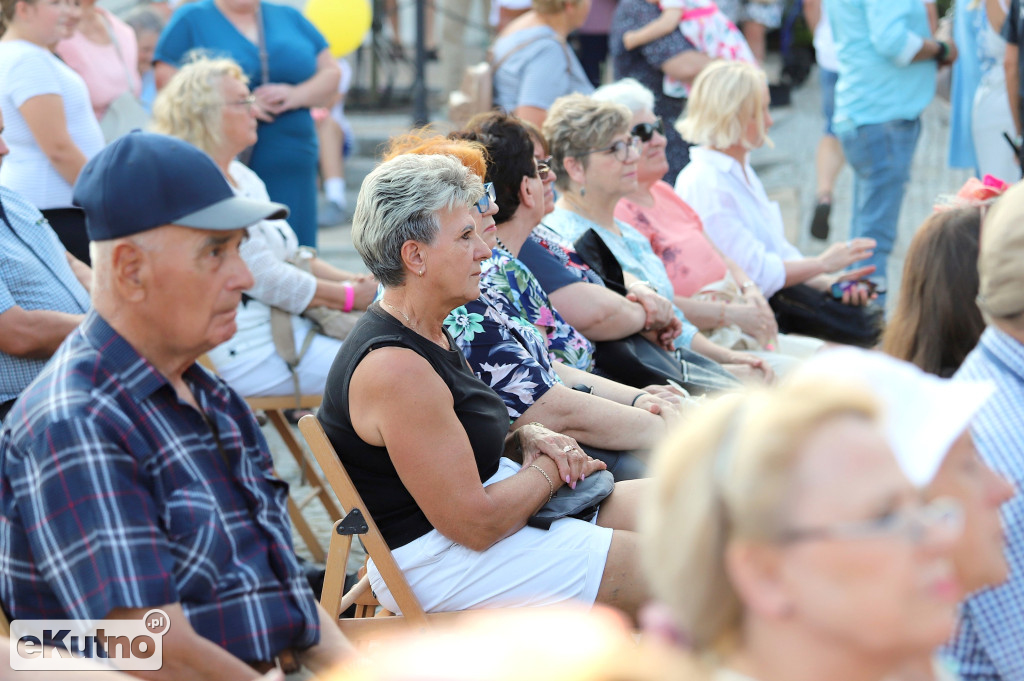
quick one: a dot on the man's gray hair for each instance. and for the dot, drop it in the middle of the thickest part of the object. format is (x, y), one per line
(629, 92)
(400, 200)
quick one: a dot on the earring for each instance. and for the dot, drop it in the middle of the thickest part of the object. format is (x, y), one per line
(583, 192)
(421, 272)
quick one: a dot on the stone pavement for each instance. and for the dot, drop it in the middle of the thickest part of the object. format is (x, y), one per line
(787, 171)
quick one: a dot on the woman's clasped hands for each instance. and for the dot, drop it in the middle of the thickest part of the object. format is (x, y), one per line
(572, 462)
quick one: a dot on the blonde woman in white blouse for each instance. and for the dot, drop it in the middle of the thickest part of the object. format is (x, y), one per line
(208, 104)
(727, 116)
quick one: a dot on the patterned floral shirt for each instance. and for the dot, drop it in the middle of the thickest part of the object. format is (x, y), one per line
(504, 349)
(508, 277)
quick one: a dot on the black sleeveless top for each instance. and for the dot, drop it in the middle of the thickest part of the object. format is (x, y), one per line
(482, 413)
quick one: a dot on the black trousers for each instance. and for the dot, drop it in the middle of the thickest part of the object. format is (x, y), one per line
(69, 224)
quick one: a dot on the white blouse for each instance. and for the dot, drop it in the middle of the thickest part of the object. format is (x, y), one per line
(738, 216)
(278, 282)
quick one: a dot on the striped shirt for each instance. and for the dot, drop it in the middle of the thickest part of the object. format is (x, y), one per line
(990, 642)
(115, 493)
(34, 275)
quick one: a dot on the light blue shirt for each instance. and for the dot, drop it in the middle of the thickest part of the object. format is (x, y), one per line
(989, 644)
(634, 253)
(34, 275)
(875, 42)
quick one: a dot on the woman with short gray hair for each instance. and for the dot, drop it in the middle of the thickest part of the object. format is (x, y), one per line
(595, 154)
(427, 443)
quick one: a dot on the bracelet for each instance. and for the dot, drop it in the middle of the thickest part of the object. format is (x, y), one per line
(747, 284)
(943, 51)
(633, 403)
(640, 283)
(350, 297)
(551, 486)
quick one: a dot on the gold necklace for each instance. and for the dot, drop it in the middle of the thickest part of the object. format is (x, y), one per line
(395, 309)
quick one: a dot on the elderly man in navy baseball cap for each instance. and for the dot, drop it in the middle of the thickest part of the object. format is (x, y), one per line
(132, 479)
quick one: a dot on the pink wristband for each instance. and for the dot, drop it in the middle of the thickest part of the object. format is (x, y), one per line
(350, 297)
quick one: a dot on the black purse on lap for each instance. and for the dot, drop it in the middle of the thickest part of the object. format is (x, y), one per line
(805, 310)
(636, 361)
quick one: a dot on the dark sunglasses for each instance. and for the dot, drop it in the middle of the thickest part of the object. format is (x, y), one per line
(645, 131)
(485, 201)
(544, 168)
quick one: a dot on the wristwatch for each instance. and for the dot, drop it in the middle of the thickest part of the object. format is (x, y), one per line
(943, 52)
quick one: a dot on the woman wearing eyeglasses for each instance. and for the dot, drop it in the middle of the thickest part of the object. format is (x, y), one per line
(710, 288)
(427, 443)
(518, 344)
(595, 155)
(927, 420)
(789, 543)
(207, 103)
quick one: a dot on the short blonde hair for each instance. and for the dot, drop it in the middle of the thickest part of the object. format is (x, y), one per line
(577, 124)
(190, 105)
(725, 97)
(726, 475)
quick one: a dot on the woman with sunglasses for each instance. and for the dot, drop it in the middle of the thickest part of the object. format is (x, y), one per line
(789, 543)
(710, 288)
(427, 444)
(594, 156)
(518, 345)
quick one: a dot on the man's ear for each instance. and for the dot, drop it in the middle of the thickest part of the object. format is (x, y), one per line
(130, 271)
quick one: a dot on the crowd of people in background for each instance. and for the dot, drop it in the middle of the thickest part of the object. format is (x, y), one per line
(583, 292)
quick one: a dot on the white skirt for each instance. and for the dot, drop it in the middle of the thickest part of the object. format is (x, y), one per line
(529, 568)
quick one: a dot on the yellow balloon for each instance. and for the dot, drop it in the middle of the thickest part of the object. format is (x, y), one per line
(342, 22)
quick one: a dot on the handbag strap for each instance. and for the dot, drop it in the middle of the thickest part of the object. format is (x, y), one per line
(261, 44)
(117, 46)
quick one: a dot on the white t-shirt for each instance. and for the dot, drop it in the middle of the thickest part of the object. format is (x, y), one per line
(27, 71)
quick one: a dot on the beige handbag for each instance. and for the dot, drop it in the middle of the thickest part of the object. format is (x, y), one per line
(330, 322)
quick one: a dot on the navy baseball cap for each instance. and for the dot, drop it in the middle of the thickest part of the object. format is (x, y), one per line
(144, 180)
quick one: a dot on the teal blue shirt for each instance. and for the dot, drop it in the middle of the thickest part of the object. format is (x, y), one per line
(875, 42)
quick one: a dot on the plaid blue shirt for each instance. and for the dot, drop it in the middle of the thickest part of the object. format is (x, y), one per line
(990, 642)
(115, 493)
(34, 275)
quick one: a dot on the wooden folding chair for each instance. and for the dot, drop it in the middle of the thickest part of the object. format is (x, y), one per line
(358, 521)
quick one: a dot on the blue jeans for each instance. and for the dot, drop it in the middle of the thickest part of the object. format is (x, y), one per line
(880, 155)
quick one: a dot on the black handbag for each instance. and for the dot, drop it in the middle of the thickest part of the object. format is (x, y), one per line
(582, 503)
(805, 310)
(635, 360)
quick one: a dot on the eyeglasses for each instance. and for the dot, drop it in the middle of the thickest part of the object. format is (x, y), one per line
(248, 102)
(484, 204)
(619, 149)
(943, 514)
(645, 131)
(543, 167)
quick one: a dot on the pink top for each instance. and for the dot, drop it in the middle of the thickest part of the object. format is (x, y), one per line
(99, 65)
(677, 237)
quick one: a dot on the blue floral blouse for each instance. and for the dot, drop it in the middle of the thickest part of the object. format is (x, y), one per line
(504, 349)
(508, 277)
